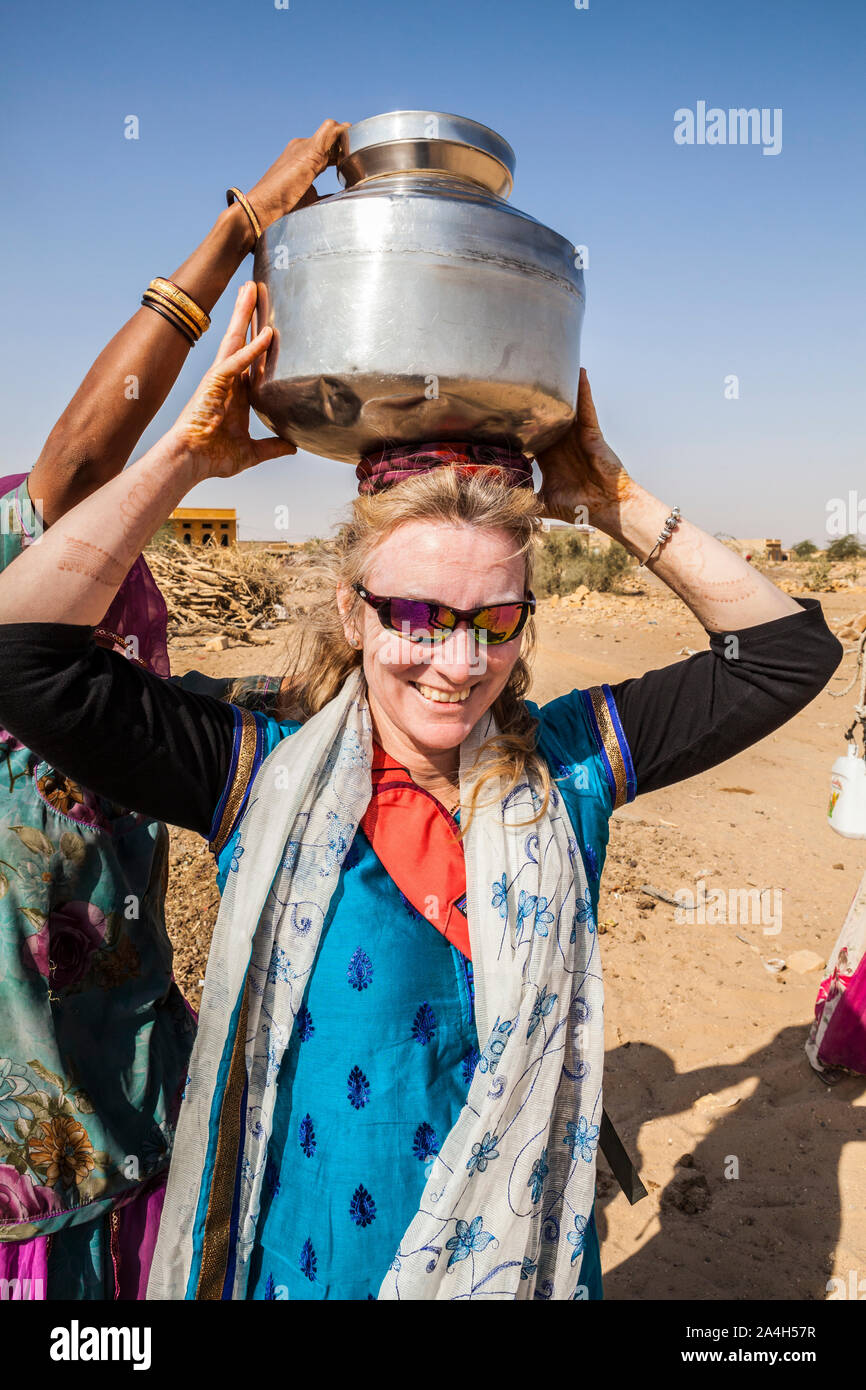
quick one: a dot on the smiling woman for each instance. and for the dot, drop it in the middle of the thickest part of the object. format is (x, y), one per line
(429, 675)
(396, 1090)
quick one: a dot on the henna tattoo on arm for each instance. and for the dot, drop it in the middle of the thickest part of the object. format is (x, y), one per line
(145, 493)
(717, 584)
(735, 590)
(82, 557)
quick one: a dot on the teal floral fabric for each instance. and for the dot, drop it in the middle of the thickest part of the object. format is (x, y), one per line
(95, 1036)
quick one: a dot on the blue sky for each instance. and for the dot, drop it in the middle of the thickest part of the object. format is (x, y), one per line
(704, 261)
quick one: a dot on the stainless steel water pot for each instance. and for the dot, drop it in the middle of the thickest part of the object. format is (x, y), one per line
(416, 304)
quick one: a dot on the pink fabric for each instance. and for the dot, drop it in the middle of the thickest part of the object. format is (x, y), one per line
(385, 467)
(24, 1264)
(24, 1268)
(138, 610)
(837, 1037)
(843, 1040)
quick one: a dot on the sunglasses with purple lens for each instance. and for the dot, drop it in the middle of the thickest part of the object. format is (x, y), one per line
(425, 620)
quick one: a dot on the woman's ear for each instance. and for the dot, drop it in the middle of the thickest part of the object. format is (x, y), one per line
(345, 605)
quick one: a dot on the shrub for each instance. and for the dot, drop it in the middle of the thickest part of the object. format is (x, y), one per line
(845, 548)
(565, 561)
(803, 549)
(817, 576)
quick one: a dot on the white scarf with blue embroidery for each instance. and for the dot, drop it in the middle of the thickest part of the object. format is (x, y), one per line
(505, 1210)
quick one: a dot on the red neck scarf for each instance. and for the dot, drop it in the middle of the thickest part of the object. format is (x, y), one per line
(418, 842)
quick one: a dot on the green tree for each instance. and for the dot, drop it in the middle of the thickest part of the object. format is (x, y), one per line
(803, 549)
(845, 548)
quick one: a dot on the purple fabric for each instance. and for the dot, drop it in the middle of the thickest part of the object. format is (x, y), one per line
(137, 1230)
(138, 610)
(385, 467)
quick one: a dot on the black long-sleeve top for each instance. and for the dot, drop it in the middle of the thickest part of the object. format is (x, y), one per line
(158, 748)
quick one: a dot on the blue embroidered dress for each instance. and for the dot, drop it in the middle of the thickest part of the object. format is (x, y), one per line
(379, 1064)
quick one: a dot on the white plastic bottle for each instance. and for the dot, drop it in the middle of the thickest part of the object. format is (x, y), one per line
(846, 812)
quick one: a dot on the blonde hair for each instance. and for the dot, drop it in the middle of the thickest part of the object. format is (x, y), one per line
(320, 654)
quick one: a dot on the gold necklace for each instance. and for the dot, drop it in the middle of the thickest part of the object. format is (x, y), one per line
(449, 799)
(452, 805)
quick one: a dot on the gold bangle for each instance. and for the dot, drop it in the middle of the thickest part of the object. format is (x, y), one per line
(150, 302)
(154, 297)
(234, 194)
(167, 289)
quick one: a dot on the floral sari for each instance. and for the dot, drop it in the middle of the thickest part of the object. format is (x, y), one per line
(94, 1034)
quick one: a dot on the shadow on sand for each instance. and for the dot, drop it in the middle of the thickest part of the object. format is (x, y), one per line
(768, 1233)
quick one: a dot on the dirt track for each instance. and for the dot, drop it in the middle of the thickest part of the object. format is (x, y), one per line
(705, 1061)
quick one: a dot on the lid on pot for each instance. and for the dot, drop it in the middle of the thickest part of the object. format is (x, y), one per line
(426, 142)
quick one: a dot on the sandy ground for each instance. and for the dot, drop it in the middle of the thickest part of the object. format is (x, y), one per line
(755, 1168)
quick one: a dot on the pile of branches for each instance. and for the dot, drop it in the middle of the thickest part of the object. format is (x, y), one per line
(210, 590)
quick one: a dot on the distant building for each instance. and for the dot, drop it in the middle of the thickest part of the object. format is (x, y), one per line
(205, 525)
(763, 548)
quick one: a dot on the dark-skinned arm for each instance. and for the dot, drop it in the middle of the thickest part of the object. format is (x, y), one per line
(105, 419)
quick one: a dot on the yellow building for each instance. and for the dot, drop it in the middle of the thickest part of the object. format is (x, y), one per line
(205, 525)
(762, 547)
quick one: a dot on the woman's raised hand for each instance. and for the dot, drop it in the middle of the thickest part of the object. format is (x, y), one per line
(213, 430)
(289, 181)
(581, 471)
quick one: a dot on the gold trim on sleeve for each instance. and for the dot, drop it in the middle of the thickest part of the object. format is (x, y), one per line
(611, 744)
(240, 780)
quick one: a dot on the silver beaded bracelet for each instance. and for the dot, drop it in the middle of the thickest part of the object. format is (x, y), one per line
(668, 528)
